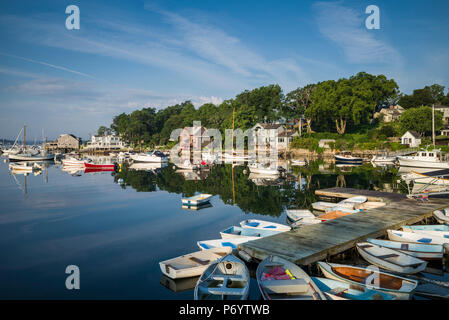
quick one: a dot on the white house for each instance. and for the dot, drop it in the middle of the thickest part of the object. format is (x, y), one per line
(272, 134)
(411, 138)
(445, 111)
(106, 142)
(285, 138)
(392, 113)
(267, 133)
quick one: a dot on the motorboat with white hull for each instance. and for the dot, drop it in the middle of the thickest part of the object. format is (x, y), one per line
(424, 159)
(347, 158)
(261, 169)
(384, 159)
(155, 156)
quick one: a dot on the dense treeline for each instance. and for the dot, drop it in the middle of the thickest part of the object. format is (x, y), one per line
(341, 106)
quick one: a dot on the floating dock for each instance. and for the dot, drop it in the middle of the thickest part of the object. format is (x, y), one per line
(311, 243)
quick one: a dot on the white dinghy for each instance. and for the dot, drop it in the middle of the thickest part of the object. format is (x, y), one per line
(192, 264)
(323, 205)
(390, 259)
(197, 200)
(398, 286)
(434, 230)
(264, 225)
(239, 232)
(421, 251)
(413, 237)
(354, 200)
(339, 290)
(342, 209)
(296, 214)
(225, 279)
(279, 279)
(442, 216)
(219, 243)
(305, 222)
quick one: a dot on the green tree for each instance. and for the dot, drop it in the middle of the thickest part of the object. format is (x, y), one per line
(420, 120)
(296, 102)
(102, 131)
(436, 91)
(420, 97)
(337, 105)
(267, 102)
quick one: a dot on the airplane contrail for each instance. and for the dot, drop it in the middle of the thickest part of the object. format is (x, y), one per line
(48, 65)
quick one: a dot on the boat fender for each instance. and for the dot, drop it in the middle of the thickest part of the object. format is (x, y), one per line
(290, 274)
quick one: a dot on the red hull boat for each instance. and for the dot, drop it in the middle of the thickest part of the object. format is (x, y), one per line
(103, 167)
(97, 170)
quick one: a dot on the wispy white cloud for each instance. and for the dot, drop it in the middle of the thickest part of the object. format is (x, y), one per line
(220, 48)
(192, 50)
(346, 28)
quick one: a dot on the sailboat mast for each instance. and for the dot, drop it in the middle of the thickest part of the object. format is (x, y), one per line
(433, 124)
(233, 116)
(24, 137)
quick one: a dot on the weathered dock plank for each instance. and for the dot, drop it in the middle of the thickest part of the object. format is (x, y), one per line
(312, 243)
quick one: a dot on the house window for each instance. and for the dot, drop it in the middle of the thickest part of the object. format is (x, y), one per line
(281, 139)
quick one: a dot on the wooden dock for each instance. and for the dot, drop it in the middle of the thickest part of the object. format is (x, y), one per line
(312, 243)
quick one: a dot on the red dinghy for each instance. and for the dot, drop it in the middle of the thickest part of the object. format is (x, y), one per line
(103, 167)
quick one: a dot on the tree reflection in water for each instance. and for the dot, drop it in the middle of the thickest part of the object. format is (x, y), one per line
(269, 196)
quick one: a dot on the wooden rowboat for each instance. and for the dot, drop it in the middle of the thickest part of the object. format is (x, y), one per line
(339, 290)
(279, 279)
(385, 282)
(421, 251)
(192, 264)
(332, 215)
(413, 237)
(225, 279)
(264, 225)
(390, 259)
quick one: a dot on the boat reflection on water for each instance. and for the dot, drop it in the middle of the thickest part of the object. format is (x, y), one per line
(345, 167)
(383, 165)
(190, 175)
(198, 207)
(148, 166)
(404, 170)
(179, 285)
(261, 179)
(73, 171)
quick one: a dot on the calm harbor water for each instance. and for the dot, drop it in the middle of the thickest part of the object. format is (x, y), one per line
(116, 233)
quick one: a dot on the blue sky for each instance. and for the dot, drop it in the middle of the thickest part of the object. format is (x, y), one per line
(133, 54)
